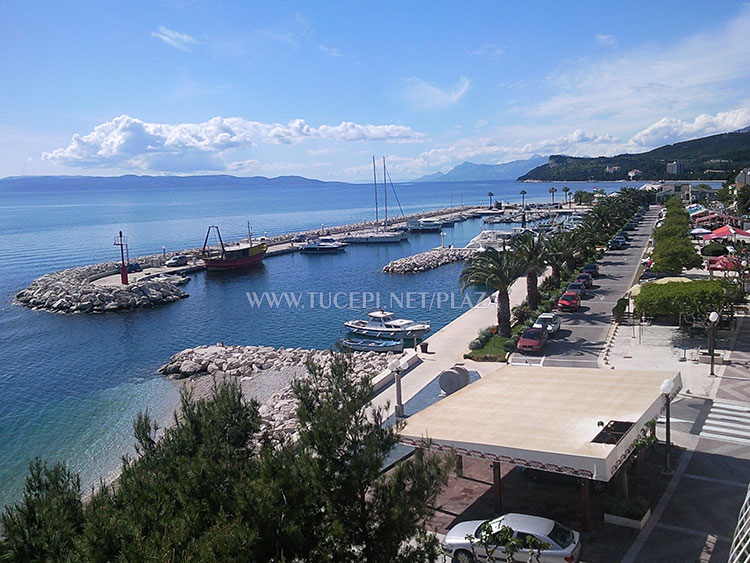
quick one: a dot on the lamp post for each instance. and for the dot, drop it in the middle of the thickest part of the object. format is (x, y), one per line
(713, 318)
(442, 239)
(667, 387)
(397, 366)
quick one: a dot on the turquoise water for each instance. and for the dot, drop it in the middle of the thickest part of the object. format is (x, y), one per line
(71, 385)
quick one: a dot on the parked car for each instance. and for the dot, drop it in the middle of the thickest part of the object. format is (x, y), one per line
(616, 243)
(648, 275)
(585, 279)
(569, 301)
(179, 260)
(133, 267)
(550, 321)
(577, 287)
(564, 544)
(592, 269)
(532, 340)
(299, 238)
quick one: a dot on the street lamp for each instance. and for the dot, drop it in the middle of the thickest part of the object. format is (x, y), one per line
(397, 366)
(713, 318)
(442, 239)
(667, 387)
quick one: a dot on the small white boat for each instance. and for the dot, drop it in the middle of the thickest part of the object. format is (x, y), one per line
(365, 345)
(323, 245)
(174, 279)
(372, 237)
(425, 225)
(384, 324)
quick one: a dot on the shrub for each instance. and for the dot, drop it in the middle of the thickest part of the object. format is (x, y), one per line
(475, 344)
(547, 284)
(521, 313)
(510, 344)
(619, 310)
(634, 509)
(714, 250)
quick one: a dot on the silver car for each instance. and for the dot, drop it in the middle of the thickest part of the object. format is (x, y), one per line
(549, 320)
(564, 544)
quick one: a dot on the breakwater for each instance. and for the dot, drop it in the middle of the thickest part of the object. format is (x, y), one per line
(71, 291)
(264, 367)
(428, 260)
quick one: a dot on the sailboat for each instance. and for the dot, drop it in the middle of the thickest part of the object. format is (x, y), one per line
(378, 235)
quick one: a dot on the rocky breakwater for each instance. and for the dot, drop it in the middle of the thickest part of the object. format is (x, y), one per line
(428, 260)
(270, 372)
(71, 291)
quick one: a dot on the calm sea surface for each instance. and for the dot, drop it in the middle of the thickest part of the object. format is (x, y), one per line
(70, 386)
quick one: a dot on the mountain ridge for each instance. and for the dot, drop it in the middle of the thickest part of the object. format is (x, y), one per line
(468, 171)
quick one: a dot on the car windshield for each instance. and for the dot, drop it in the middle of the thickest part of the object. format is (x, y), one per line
(569, 296)
(561, 535)
(532, 333)
(574, 286)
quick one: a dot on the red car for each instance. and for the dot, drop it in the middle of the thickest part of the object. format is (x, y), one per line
(532, 340)
(569, 301)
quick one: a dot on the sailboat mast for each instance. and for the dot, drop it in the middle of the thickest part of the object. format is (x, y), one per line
(375, 181)
(385, 195)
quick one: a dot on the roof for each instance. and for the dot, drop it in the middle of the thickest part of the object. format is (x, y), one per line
(544, 418)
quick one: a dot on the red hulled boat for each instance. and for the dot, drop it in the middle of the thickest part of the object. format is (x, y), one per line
(232, 255)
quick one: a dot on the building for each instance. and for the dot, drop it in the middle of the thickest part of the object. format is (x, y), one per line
(685, 191)
(675, 167)
(612, 169)
(743, 178)
(634, 173)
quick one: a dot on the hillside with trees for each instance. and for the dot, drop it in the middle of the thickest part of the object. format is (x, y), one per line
(710, 158)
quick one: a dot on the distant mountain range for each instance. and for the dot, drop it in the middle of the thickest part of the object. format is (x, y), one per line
(707, 158)
(469, 171)
(43, 183)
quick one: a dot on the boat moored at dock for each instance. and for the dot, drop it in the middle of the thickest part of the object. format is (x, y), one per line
(368, 345)
(231, 256)
(323, 245)
(384, 324)
(425, 225)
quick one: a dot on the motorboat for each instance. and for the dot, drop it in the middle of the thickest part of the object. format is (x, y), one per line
(323, 245)
(367, 345)
(384, 324)
(174, 279)
(424, 225)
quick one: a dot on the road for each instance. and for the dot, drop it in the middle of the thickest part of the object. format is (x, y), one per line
(581, 337)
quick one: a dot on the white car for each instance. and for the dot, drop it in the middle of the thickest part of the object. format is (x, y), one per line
(179, 260)
(564, 544)
(550, 320)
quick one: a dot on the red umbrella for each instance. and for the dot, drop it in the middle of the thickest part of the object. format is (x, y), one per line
(723, 263)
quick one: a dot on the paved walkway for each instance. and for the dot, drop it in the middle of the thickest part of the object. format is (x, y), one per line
(696, 516)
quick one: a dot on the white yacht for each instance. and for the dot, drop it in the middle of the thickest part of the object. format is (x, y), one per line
(384, 324)
(323, 245)
(425, 225)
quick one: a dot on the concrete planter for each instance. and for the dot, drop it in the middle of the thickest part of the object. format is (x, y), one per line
(627, 522)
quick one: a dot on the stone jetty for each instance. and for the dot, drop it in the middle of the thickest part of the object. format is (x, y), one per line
(428, 260)
(71, 291)
(266, 366)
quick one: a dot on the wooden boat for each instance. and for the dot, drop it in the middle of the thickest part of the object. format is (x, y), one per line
(384, 324)
(232, 255)
(323, 245)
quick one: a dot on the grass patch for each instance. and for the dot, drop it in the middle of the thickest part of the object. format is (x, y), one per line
(493, 351)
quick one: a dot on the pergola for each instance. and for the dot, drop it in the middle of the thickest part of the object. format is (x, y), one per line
(576, 421)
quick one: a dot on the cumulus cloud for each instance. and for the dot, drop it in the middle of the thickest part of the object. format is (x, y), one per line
(127, 142)
(181, 41)
(426, 95)
(567, 143)
(670, 130)
(606, 40)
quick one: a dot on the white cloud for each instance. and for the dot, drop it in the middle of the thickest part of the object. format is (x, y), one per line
(426, 95)
(330, 51)
(181, 41)
(127, 142)
(488, 51)
(568, 143)
(249, 165)
(606, 40)
(670, 130)
(685, 78)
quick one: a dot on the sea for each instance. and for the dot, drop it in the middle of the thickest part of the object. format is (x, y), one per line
(71, 385)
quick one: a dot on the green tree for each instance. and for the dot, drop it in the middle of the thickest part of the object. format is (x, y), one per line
(530, 249)
(695, 297)
(363, 514)
(45, 524)
(743, 199)
(494, 270)
(673, 255)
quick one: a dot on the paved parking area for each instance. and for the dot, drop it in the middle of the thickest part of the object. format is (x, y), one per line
(581, 337)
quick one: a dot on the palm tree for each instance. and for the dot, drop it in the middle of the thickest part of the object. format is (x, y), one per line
(490, 194)
(529, 248)
(566, 190)
(559, 251)
(552, 190)
(496, 270)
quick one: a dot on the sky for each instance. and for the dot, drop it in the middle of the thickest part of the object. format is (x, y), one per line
(317, 89)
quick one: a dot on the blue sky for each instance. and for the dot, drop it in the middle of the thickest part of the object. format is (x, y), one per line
(317, 88)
